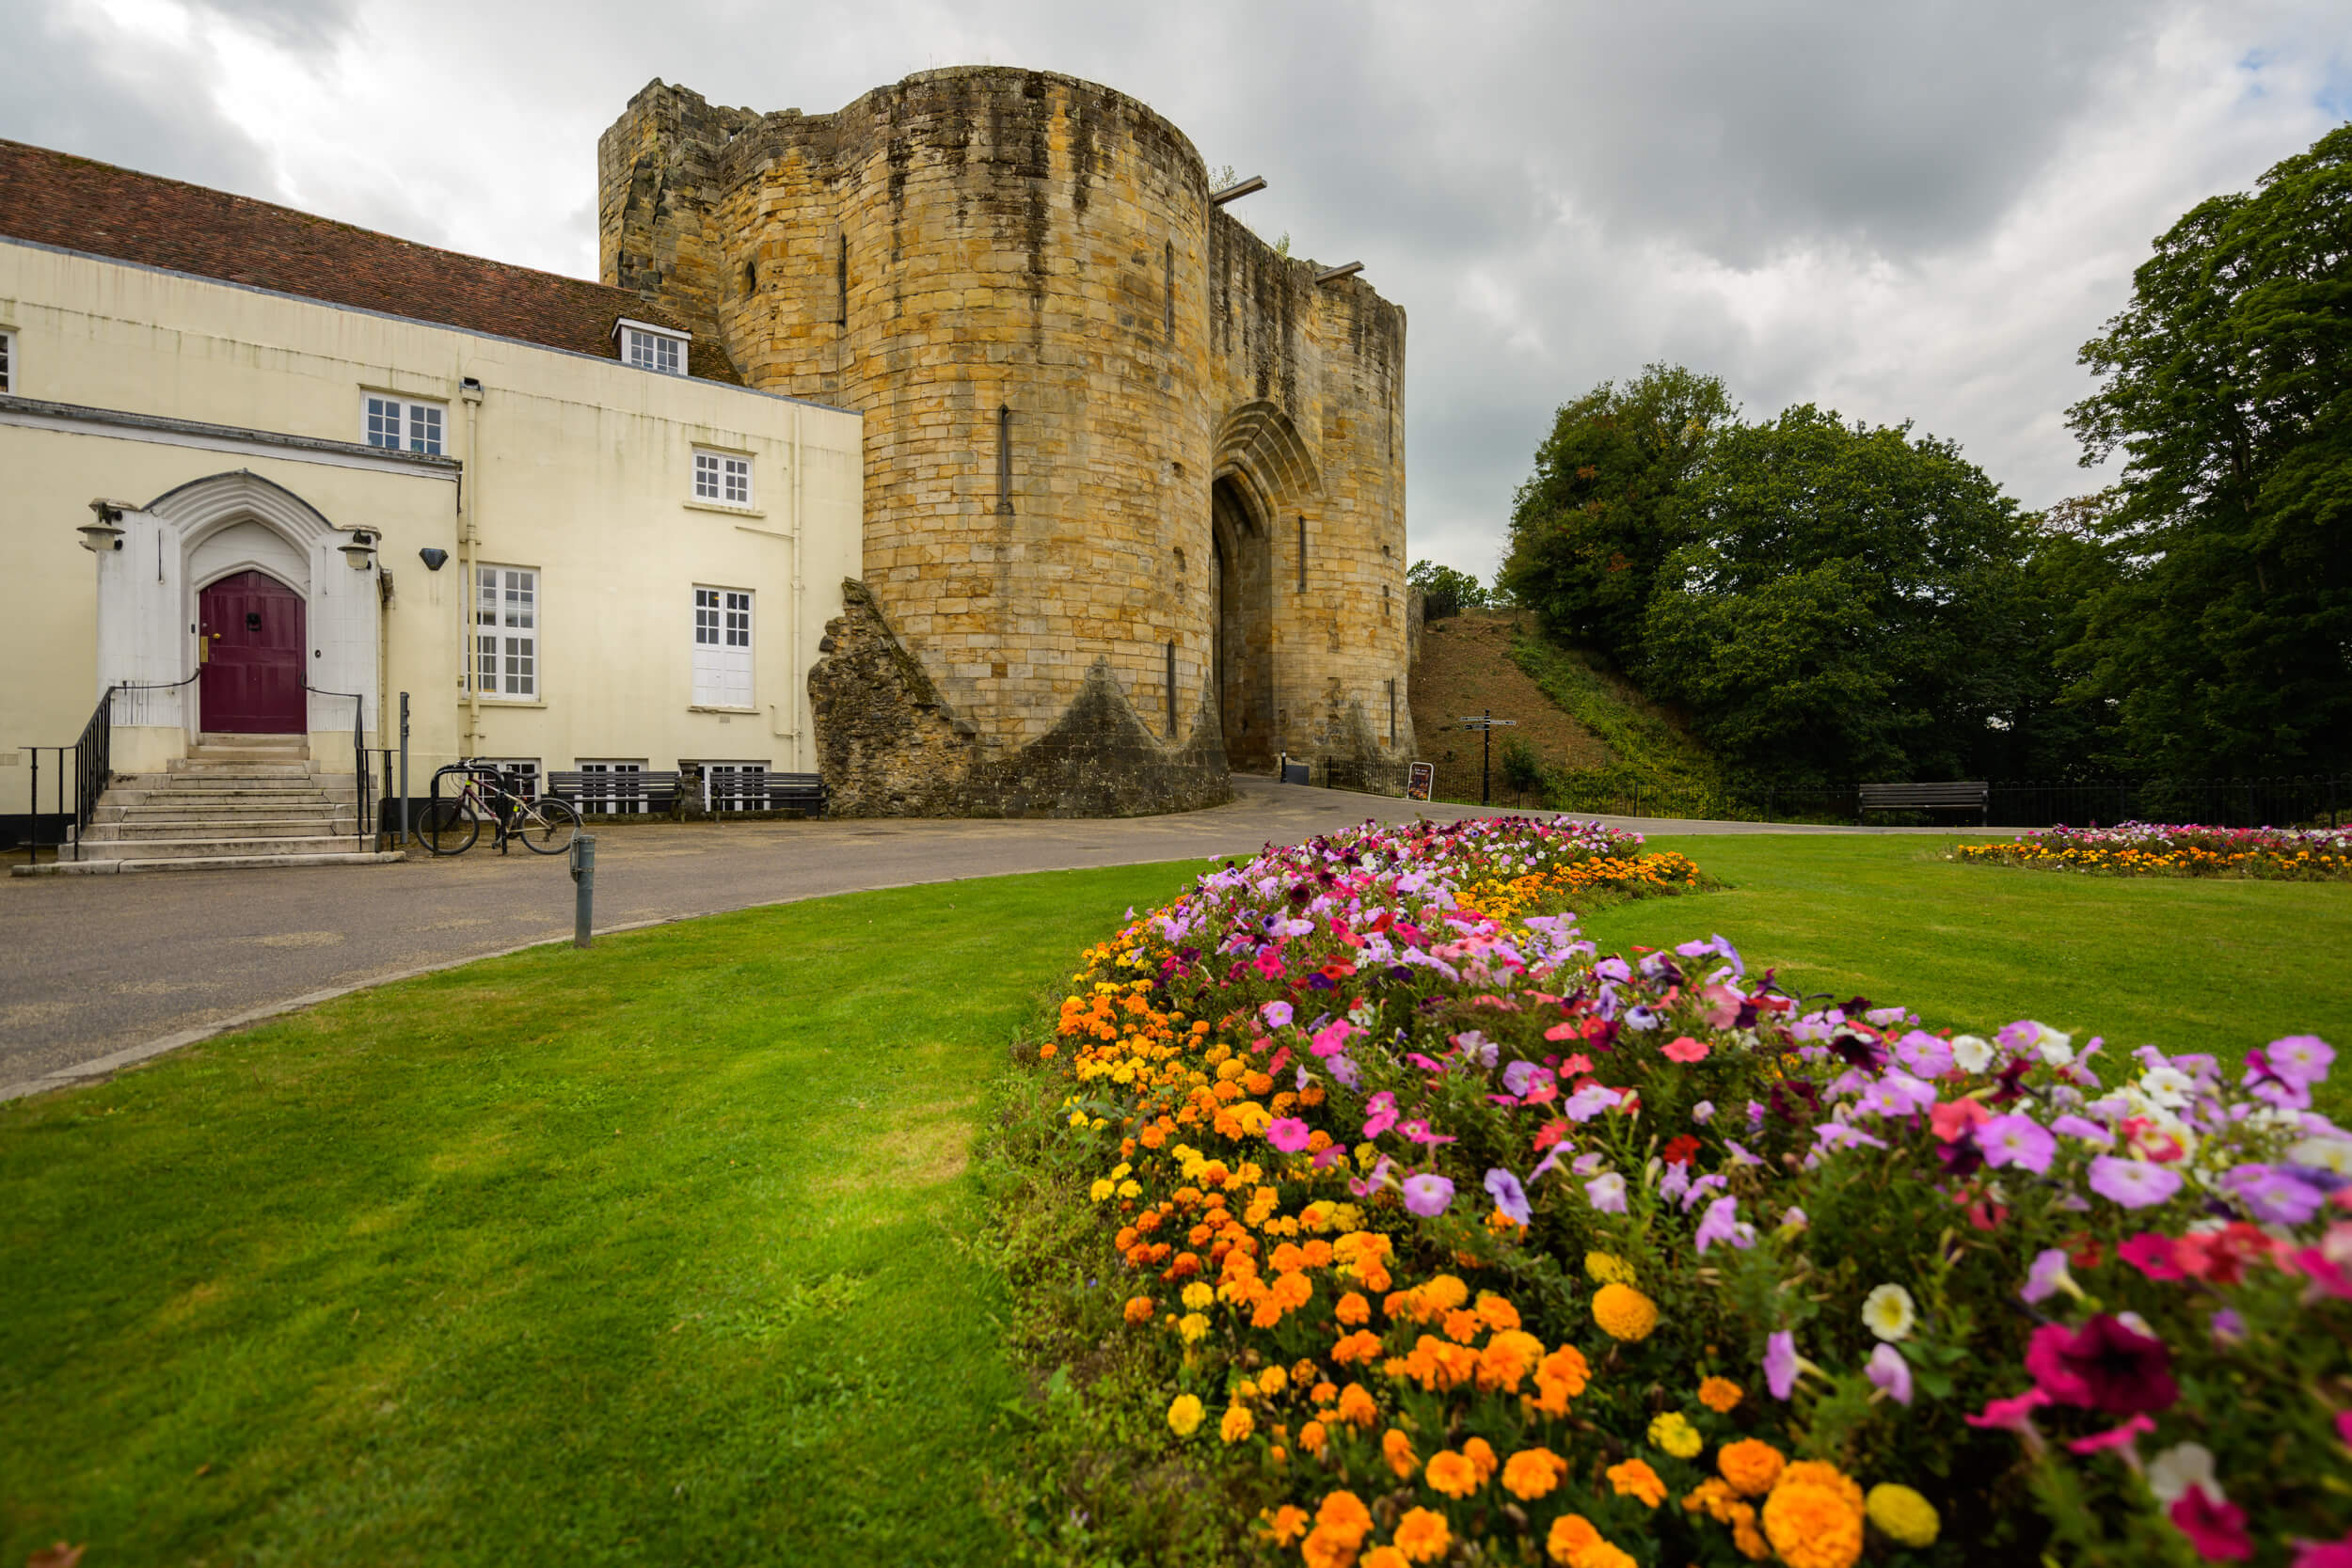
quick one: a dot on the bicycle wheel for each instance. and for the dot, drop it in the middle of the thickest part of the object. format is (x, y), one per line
(547, 825)
(448, 828)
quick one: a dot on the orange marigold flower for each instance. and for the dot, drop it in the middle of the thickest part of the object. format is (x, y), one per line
(1310, 1437)
(1814, 1472)
(1481, 1455)
(1385, 1556)
(1138, 1309)
(1323, 1392)
(1635, 1478)
(1571, 1533)
(1751, 1465)
(1624, 1313)
(1444, 1293)
(1462, 1327)
(1605, 1554)
(1509, 1356)
(1531, 1473)
(1401, 1303)
(1238, 1423)
(1287, 1259)
(1451, 1473)
(1720, 1394)
(1344, 1515)
(1497, 1312)
(1421, 1535)
(1352, 1309)
(1397, 1450)
(1357, 1407)
(1293, 1290)
(1286, 1524)
(1749, 1540)
(1327, 1549)
(1318, 1253)
(1810, 1525)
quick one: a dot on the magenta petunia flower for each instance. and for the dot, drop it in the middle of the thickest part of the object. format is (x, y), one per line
(2105, 1365)
(2216, 1527)
(2150, 1253)
(1888, 1369)
(1780, 1364)
(1427, 1194)
(1607, 1192)
(1331, 1040)
(2118, 1437)
(1380, 1113)
(2015, 1415)
(2016, 1140)
(2324, 1554)
(1508, 1195)
(1287, 1134)
(2132, 1184)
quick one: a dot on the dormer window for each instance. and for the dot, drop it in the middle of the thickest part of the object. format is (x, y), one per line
(659, 349)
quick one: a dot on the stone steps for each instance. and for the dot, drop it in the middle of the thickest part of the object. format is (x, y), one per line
(218, 862)
(243, 827)
(204, 842)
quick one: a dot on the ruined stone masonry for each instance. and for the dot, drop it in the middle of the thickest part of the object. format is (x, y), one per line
(1135, 483)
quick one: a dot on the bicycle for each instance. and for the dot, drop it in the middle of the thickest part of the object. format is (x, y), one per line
(450, 824)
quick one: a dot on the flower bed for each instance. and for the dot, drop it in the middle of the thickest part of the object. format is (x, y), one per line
(1441, 1238)
(2177, 850)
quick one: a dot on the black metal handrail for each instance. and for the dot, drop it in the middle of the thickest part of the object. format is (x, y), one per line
(360, 777)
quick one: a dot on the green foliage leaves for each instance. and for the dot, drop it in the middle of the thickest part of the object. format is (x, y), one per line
(1445, 590)
(2226, 639)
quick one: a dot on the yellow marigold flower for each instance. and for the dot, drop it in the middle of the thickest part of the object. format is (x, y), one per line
(1193, 1326)
(1674, 1434)
(1903, 1515)
(1273, 1381)
(1635, 1478)
(1102, 1188)
(1310, 1437)
(1198, 1295)
(1421, 1535)
(1811, 1527)
(1183, 1415)
(1533, 1473)
(1751, 1465)
(1138, 1309)
(1237, 1424)
(1608, 1269)
(1622, 1312)
(1451, 1473)
(1497, 1313)
(1815, 1472)
(1482, 1455)
(1384, 1556)
(1720, 1394)
(1397, 1450)
(1571, 1533)
(1286, 1524)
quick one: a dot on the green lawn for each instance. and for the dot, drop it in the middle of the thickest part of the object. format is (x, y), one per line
(2192, 965)
(654, 1254)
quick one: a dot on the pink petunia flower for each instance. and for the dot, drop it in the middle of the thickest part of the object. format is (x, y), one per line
(1605, 1192)
(1780, 1364)
(1685, 1050)
(2132, 1184)
(1952, 1120)
(2322, 1554)
(2015, 1415)
(1721, 1223)
(1427, 1194)
(1287, 1134)
(1277, 1014)
(2150, 1253)
(1888, 1369)
(2016, 1140)
(2216, 1528)
(1380, 1113)
(2120, 1437)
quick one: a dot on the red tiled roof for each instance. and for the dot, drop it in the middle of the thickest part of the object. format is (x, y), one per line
(78, 204)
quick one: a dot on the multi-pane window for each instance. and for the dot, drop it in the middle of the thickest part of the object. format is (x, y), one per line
(723, 478)
(520, 774)
(610, 801)
(735, 785)
(722, 647)
(7, 361)
(404, 424)
(506, 632)
(653, 351)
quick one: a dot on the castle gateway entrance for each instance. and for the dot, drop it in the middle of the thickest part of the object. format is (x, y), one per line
(1241, 622)
(252, 630)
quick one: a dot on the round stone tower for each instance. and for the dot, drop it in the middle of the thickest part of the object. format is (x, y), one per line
(1134, 486)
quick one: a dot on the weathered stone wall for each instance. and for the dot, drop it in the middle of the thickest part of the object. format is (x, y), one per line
(1059, 347)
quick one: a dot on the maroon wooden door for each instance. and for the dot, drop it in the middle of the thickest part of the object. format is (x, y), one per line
(252, 682)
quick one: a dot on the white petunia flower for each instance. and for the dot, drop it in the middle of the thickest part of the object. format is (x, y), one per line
(2168, 1086)
(2330, 1154)
(1889, 1313)
(2056, 1049)
(2171, 1473)
(1970, 1053)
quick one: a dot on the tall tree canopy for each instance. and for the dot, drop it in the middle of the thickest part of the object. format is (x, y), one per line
(2225, 641)
(1592, 524)
(1848, 602)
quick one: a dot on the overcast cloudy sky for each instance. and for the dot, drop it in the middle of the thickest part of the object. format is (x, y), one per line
(1903, 211)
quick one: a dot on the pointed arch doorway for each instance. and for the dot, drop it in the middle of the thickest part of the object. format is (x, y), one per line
(252, 627)
(1242, 611)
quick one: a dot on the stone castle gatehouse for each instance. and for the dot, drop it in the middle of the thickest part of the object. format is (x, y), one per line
(1135, 481)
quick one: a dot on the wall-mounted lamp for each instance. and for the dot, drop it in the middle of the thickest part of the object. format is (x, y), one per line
(469, 389)
(359, 549)
(433, 558)
(105, 530)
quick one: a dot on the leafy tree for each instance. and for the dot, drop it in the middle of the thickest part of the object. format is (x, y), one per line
(1600, 513)
(1442, 586)
(2225, 639)
(1847, 603)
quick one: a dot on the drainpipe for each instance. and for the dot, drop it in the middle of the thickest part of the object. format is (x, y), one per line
(469, 492)
(798, 545)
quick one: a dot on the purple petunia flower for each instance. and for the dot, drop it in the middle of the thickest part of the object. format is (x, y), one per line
(2133, 1183)
(2300, 1059)
(2047, 1276)
(1508, 1195)
(1888, 1369)
(1923, 1055)
(1586, 1103)
(2079, 1126)
(2016, 1140)
(1704, 1112)
(1344, 1071)
(1780, 1364)
(1427, 1194)
(1756, 1116)
(1277, 1014)
(1838, 1135)
(1674, 1182)
(1607, 1192)
(1721, 1223)
(2273, 1195)
(1287, 1134)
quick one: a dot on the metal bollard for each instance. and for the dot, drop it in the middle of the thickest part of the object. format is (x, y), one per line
(584, 879)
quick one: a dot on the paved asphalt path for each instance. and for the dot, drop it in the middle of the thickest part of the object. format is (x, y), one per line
(96, 972)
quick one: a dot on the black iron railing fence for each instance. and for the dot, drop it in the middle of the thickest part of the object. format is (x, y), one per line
(2270, 801)
(361, 775)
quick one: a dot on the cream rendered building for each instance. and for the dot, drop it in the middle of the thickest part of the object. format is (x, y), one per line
(335, 465)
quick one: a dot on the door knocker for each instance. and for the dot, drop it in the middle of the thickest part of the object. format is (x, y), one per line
(253, 620)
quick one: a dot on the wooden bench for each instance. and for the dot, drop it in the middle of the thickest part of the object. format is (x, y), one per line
(1957, 794)
(729, 791)
(616, 794)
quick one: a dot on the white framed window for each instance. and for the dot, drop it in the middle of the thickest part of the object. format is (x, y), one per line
(520, 774)
(722, 478)
(734, 785)
(606, 802)
(659, 349)
(722, 647)
(403, 424)
(506, 632)
(8, 360)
